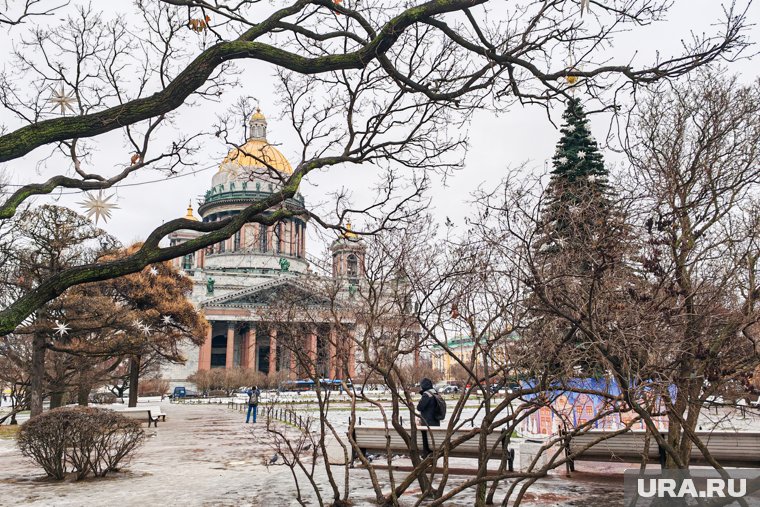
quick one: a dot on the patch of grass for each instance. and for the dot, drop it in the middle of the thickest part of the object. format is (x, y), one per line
(9, 432)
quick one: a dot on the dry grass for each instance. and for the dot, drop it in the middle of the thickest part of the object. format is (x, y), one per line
(9, 432)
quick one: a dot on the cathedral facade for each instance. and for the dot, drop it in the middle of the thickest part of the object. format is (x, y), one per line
(241, 283)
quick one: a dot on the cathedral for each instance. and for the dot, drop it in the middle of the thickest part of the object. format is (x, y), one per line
(239, 282)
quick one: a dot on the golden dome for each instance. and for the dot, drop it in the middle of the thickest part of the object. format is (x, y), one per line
(189, 214)
(349, 234)
(258, 153)
(257, 115)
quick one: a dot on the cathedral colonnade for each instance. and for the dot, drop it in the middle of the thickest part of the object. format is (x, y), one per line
(268, 347)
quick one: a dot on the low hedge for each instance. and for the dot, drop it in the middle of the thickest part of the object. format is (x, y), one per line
(80, 440)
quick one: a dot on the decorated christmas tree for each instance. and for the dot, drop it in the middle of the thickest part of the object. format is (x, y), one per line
(577, 195)
(578, 237)
(577, 159)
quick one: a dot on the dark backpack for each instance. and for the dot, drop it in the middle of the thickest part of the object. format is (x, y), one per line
(440, 407)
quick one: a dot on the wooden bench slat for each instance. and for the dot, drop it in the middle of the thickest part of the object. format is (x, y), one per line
(370, 438)
(727, 447)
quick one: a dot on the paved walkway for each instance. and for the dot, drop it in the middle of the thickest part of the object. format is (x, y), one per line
(202, 455)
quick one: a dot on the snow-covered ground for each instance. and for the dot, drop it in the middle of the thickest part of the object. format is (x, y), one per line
(205, 455)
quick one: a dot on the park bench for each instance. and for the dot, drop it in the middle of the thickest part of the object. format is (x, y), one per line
(156, 412)
(729, 448)
(377, 439)
(140, 413)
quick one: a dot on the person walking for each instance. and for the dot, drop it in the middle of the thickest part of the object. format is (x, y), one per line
(253, 403)
(432, 410)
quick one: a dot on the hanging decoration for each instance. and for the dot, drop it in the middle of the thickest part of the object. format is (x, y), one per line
(61, 328)
(98, 206)
(61, 99)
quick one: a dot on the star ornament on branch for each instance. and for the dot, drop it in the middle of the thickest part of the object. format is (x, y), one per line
(61, 328)
(98, 206)
(61, 99)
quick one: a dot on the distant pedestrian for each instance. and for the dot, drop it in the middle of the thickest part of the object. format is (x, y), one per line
(432, 409)
(253, 404)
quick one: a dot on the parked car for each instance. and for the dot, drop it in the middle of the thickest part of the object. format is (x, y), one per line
(181, 392)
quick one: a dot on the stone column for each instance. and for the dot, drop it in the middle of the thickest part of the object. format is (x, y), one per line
(204, 354)
(297, 239)
(244, 349)
(291, 238)
(331, 356)
(311, 341)
(351, 353)
(272, 351)
(293, 374)
(228, 363)
(252, 350)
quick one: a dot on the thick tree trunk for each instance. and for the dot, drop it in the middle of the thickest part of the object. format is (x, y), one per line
(56, 398)
(134, 375)
(37, 379)
(83, 393)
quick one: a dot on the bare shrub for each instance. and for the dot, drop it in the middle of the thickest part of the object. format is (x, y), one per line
(43, 439)
(79, 440)
(153, 387)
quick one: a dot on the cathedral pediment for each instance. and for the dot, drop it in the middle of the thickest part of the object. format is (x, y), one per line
(271, 293)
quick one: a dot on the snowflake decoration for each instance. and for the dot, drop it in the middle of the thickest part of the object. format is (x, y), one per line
(581, 154)
(563, 160)
(61, 99)
(570, 128)
(146, 329)
(98, 206)
(153, 271)
(561, 242)
(138, 324)
(592, 178)
(61, 328)
(167, 320)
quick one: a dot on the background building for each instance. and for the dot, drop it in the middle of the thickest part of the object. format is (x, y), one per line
(239, 282)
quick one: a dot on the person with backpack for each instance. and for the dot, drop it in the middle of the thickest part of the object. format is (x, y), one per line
(253, 403)
(432, 410)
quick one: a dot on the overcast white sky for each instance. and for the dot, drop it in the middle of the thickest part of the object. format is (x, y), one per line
(523, 135)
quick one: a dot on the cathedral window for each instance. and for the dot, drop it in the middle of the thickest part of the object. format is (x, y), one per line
(353, 266)
(262, 237)
(236, 245)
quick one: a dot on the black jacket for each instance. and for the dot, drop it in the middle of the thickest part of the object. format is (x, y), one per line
(427, 407)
